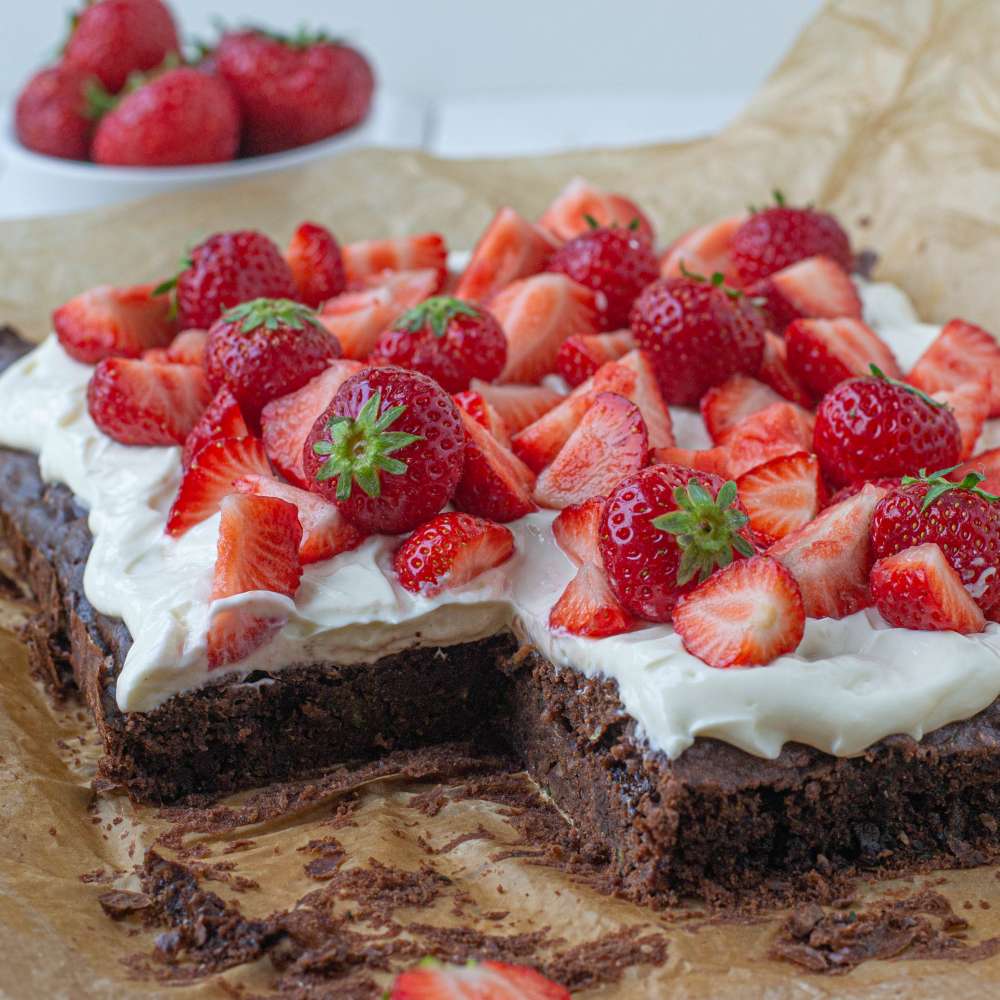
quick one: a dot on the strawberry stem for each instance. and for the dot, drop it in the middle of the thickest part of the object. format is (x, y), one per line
(438, 311)
(271, 314)
(717, 280)
(938, 485)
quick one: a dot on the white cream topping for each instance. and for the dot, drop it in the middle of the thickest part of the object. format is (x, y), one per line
(850, 683)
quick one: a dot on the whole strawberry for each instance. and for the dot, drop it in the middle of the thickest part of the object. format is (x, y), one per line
(293, 91)
(962, 518)
(698, 334)
(51, 113)
(266, 348)
(388, 450)
(613, 262)
(664, 530)
(775, 237)
(872, 427)
(450, 340)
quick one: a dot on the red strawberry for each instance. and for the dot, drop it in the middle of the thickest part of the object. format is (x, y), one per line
(537, 314)
(325, 531)
(448, 340)
(726, 405)
(577, 529)
(645, 393)
(518, 405)
(776, 237)
(257, 550)
(779, 429)
(370, 258)
(317, 267)
(588, 607)
(222, 418)
(609, 443)
(107, 322)
(287, 421)
(51, 113)
(579, 357)
(697, 334)
(747, 614)
(710, 460)
(476, 406)
(138, 402)
(293, 91)
(703, 250)
(962, 518)
(831, 556)
(875, 426)
(969, 402)
(112, 39)
(663, 530)
(431, 980)
(615, 264)
(388, 450)
(449, 550)
(495, 483)
(883, 482)
(570, 213)
(267, 348)
(188, 347)
(987, 464)
(782, 495)
(918, 588)
(509, 249)
(774, 372)
(821, 353)
(210, 478)
(960, 353)
(814, 287)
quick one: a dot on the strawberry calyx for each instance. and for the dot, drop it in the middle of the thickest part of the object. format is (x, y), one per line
(271, 314)
(707, 529)
(437, 312)
(360, 449)
(718, 280)
(592, 223)
(938, 485)
(302, 38)
(906, 387)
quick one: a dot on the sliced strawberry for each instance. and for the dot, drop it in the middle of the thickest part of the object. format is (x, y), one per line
(988, 464)
(257, 550)
(774, 372)
(141, 402)
(317, 264)
(587, 607)
(325, 531)
(782, 495)
(286, 422)
(816, 287)
(970, 403)
(371, 258)
(222, 418)
(156, 356)
(107, 322)
(960, 353)
(724, 406)
(518, 405)
(779, 429)
(646, 394)
(567, 216)
(480, 410)
(431, 980)
(714, 460)
(609, 443)
(703, 250)
(210, 478)
(831, 556)
(745, 615)
(576, 529)
(823, 352)
(511, 248)
(188, 347)
(579, 357)
(918, 588)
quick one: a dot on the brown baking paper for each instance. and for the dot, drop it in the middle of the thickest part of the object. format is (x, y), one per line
(887, 113)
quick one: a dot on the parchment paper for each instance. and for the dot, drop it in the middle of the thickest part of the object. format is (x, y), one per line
(888, 113)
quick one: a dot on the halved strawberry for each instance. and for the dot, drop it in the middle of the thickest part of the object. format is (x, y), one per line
(567, 216)
(970, 403)
(141, 402)
(222, 418)
(317, 264)
(960, 353)
(576, 528)
(587, 607)
(609, 443)
(702, 250)
(724, 406)
(715, 460)
(986, 463)
(645, 393)
(210, 478)
(431, 980)
(779, 429)
(823, 352)
(580, 356)
(831, 556)
(325, 531)
(188, 347)
(257, 550)
(816, 287)
(510, 248)
(475, 404)
(918, 588)
(370, 258)
(782, 495)
(774, 372)
(518, 405)
(744, 615)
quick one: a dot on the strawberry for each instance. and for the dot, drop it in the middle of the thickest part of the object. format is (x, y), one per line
(615, 264)
(577, 528)
(704, 250)
(774, 372)
(210, 478)
(388, 450)
(51, 113)
(726, 405)
(969, 402)
(960, 353)
(710, 460)
(782, 495)
(962, 518)
(293, 91)
(267, 348)
(431, 980)
(821, 353)
(112, 39)
(537, 314)
(138, 402)
(883, 482)
(325, 531)
(107, 322)
(511, 248)
(286, 421)
(495, 483)
(831, 556)
(697, 334)
(987, 464)
(316, 263)
(448, 340)
(188, 348)
(772, 239)
(518, 405)
(644, 391)
(222, 418)
(876, 426)
(579, 357)
(587, 606)
(476, 406)
(258, 546)
(747, 614)
(663, 530)
(571, 212)
(918, 588)
(814, 287)
(779, 429)
(370, 258)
